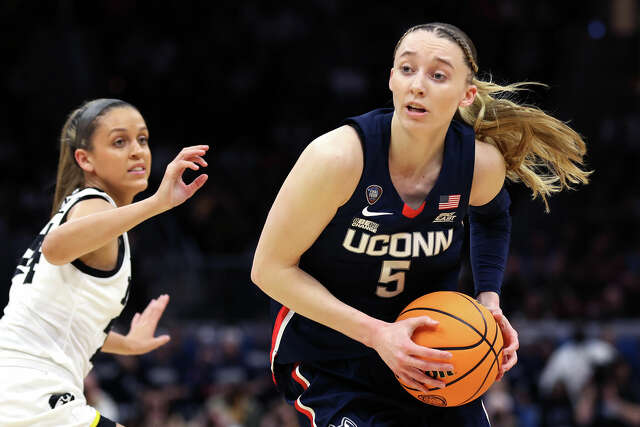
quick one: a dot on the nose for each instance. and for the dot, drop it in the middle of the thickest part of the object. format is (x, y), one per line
(137, 150)
(417, 85)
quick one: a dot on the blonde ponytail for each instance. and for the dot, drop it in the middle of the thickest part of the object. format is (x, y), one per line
(539, 150)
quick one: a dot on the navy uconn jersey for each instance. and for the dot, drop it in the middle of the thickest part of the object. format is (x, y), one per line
(378, 254)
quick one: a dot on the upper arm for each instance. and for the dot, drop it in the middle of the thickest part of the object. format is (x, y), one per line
(88, 207)
(488, 174)
(55, 240)
(324, 178)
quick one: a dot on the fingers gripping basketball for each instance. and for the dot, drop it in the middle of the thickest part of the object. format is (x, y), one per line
(470, 333)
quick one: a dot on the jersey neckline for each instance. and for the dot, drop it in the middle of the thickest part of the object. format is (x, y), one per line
(407, 211)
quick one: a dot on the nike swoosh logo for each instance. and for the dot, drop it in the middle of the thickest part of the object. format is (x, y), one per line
(366, 212)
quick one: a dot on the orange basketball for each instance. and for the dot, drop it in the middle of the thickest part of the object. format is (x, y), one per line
(469, 332)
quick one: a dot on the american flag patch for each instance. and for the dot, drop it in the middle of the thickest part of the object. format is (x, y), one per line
(449, 202)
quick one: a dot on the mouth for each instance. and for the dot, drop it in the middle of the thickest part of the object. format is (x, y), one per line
(414, 108)
(137, 170)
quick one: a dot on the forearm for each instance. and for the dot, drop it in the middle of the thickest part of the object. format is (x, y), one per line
(490, 232)
(300, 292)
(85, 234)
(116, 343)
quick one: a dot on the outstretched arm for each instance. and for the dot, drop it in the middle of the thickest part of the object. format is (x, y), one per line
(94, 223)
(140, 339)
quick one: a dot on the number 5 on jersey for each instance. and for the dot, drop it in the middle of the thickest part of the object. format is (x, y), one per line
(388, 288)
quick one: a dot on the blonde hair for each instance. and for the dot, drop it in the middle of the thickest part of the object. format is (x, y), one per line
(76, 133)
(539, 150)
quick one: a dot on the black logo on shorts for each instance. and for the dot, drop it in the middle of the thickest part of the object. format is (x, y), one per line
(60, 399)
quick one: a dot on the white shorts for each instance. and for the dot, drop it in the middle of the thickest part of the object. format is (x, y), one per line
(33, 395)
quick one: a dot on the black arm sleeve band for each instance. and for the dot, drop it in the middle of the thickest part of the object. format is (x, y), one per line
(490, 229)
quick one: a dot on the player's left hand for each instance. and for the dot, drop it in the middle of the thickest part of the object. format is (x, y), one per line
(140, 338)
(511, 343)
(491, 301)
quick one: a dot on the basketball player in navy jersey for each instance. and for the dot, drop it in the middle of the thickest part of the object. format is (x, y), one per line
(74, 280)
(371, 217)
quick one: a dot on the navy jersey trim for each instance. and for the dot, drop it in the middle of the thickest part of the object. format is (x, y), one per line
(77, 263)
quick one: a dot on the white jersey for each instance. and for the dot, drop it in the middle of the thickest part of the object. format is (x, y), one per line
(60, 315)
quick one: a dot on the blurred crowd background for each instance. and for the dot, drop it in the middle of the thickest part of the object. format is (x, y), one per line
(258, 80)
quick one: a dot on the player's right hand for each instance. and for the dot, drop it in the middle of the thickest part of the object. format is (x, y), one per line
(172, 190)
(406, 358)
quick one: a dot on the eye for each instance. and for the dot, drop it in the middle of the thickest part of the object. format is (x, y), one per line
(406, 69)
(119, 142)
(439, 76)
(143, 140)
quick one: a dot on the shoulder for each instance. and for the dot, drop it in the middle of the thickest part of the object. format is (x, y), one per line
(337, 152)
(488, 156)
(488, 174)
(331, 164)
(88, 206)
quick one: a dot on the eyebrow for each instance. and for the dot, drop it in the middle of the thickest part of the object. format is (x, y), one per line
(437, 58)
(124, 130)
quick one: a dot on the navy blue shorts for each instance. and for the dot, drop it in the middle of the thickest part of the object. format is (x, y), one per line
(361, 393)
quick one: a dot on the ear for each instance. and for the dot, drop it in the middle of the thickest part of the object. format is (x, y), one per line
(83, 159)
(469, 96)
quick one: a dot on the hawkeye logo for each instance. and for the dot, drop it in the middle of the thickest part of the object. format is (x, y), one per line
(398, 245)
(445, 217)
(60, 399)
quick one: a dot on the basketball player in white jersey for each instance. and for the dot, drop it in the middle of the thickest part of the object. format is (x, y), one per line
(74, 279)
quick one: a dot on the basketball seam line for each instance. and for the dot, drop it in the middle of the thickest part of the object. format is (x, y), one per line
(482, 338)
(497, 328)
(468, 372)
(491, 349)
(495, 360)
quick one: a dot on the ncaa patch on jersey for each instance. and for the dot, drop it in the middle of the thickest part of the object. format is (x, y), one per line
(445, 217)
(373, 193)
(60, 399)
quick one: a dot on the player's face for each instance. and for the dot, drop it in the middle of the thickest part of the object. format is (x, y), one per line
(429, 80)
(120, 156)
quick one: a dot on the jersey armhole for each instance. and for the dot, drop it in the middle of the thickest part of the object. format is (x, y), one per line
(102, 273)
(358, 129)
(360, 133)
(84, 267)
